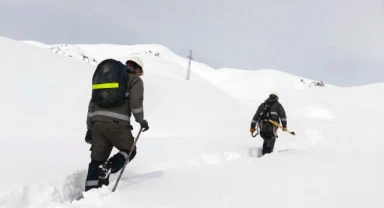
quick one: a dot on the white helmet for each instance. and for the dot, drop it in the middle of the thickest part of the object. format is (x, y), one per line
(137, 60)
(274, 93)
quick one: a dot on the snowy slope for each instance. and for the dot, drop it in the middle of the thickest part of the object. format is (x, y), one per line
(241, 84)
(67, 50)
(198, 152)
(57, 122)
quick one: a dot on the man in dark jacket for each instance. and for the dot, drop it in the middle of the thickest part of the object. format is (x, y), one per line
(110, 127)
(273, 110)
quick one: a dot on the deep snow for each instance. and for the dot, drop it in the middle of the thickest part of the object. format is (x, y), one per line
(198, 152)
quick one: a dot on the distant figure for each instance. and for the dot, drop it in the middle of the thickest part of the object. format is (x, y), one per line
(270, 109)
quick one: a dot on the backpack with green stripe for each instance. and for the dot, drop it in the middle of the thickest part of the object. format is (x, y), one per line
(109, 84)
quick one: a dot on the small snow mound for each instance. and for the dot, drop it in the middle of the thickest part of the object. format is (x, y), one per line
(95, 195)
(314, 136)
(42, 195)
(255, 152)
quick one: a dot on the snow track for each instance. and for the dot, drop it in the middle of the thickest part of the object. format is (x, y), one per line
(70, 189)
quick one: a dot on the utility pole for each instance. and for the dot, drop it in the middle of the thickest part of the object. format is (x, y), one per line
(189, 64)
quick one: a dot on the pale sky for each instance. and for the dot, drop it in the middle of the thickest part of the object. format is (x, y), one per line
(338, 41)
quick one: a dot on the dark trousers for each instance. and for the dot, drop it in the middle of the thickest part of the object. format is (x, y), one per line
(117, 163)
(105, 136)
(268, 145)
(269, 140)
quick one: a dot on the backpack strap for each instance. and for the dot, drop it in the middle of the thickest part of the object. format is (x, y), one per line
(267, 111)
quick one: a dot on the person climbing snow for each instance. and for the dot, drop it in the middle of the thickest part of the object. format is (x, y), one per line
(117, 93)
(269, 109)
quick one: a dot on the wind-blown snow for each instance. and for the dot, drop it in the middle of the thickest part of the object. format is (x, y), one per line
(198, 151)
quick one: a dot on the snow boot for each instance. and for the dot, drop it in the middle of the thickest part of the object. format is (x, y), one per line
(104, 170)
(92, 180)
(103, 182)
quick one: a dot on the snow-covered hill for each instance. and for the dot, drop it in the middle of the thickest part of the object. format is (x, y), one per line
(66, 50)
(238, 83)
(198, 151)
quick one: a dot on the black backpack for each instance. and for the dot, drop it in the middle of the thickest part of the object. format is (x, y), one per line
(109, 84)
(266, 112)
(266, 128)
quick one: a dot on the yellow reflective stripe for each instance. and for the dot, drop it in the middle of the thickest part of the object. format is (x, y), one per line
(105, 86)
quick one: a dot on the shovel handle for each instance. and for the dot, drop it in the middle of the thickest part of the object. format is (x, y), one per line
(278, 125)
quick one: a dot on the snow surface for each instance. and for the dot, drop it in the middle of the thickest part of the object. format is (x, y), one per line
(198, 151)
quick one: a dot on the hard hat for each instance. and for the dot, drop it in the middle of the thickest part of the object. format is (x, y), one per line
(274, 93)
(137, 60)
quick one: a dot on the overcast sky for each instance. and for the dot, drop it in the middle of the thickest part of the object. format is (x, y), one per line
(338, 41)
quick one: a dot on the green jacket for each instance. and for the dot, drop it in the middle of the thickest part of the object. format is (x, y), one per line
(122, 114)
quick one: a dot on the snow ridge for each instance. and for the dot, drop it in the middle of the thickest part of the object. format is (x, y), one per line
(72, 52)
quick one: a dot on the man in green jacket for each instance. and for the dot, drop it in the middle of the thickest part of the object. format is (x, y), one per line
(109, 127)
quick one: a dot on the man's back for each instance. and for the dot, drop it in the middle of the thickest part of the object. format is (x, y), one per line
(121, 114)
(277, 112)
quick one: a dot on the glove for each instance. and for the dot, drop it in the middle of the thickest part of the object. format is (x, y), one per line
(88, 137)
(284, 129)
(252, 130)
(144, 125)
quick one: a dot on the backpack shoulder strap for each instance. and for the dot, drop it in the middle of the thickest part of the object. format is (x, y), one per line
(266, 111)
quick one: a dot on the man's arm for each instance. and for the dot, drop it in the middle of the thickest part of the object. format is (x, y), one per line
(282, 115)
(91, 108)
(256, 116)
(136, 94)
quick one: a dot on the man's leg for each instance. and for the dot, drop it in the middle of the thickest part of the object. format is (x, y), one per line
(273, 139)
(120, 137)
(92, 180)
(264, 151)
(113, 165)
(270, 143)
(119, 159)
(101, 149)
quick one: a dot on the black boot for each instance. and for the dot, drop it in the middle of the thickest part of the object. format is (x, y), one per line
(104, 170)
(104, 182)
(113, 165)
(118, 160)
(92, 180)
